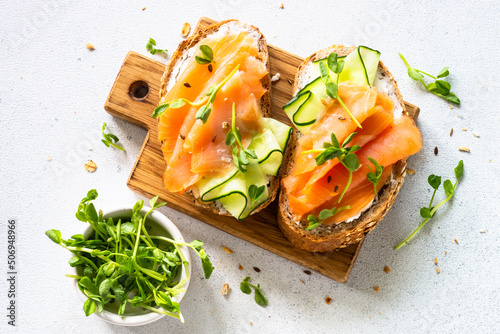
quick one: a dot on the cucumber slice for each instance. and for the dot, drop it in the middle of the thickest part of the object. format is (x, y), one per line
(370, 60)
(361, 66)
(280, 130)
(268, 152)
(207, 186)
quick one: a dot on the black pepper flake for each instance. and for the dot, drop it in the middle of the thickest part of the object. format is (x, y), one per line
(187, 85)
(329, 178)
(307, 272)
(256, 269)
(342, 118)
(210, 68)
(213, 139)
(436, 150)
(182, 136)
(336, 188)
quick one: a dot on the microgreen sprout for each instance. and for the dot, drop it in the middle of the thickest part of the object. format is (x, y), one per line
(204, 112)
(428, 212)
(323, 215)
(110, 139)
(207, 55)
(255, 193)
(336, 66)
(374, 176)
(344, 154)
(122, 264)
(246, 287)
(241, 155)
(150, 46)
(439, 88)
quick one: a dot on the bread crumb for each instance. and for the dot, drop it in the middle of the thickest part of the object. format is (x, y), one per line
(376, 288)
(251, 323)
(143, 8)
(483, 231)
(436, 260)
(302, 281)
(49, 158)
(328, 300)
(225, 125)
(90, 46)
(451, 132)
(438, 270)
(186, 28)
(464, 129)
(456, 241)
(379, 313)
(464, 149)
(275, 77)
(445, 252)
(475, 134)
(90, 166)
(387, 269)
(91, 149)
(240, 267)
(439, 227)
(225, 289)
(281, 5)
(410, 171)
(227, 250)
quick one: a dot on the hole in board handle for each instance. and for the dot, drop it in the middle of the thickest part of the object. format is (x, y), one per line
(139, 90)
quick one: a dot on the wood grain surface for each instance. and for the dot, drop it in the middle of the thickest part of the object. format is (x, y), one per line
(146, 177)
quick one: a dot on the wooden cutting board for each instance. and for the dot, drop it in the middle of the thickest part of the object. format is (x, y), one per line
(133, 97)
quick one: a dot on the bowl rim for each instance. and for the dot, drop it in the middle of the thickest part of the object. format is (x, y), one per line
(167, 224)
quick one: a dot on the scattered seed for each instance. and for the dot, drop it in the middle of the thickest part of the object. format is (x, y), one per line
(90, 166)
(227, 250)
(225, 289)
(49, 158)
(328, 300)
(213, 139)
(251, 323)
(483, 231)
(445, 252)
(456, 241)
(182, 136)
(336, 188)
(210, 68)
(436, 261)
(329, 178)
(387, 269)
(451, 132)
(324, 102)
(90, 46)
(240, 267)
(256, 269)
(436, 150)
(225, 125)
(143, 8)
(281, 5)
(186, 28)
(275, 77)
(307, 272)
(302, 281)
(438, 270)
(342, 118)
(475, 134)
(376, 288)
(410, 171)
(91, 149)
(290, 82)
(451, 107)
(464, 129)
(187, 85)
(464, 149)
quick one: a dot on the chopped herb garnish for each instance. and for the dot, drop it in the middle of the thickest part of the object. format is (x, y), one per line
(110, 139)
(336, 66)
(323, 215)
(439, 88)
(241, 155)
(346, 156)
(207, 55)
(255, 194)
(123, 264)
(246, 287)
(204, 112)
(150, 46)
(375, 176)
(428, 212)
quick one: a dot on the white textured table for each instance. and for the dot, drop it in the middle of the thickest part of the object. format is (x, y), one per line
(52, 91)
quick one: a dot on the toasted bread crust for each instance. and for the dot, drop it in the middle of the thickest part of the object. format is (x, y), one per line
(328, 238)
(265, 102)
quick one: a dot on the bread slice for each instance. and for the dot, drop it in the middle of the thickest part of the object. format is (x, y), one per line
(186, 51)
(326, 238)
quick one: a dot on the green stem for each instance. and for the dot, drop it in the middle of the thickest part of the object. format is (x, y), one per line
(404, 60)
(154, 309)
(347, 185)
(74, 276)
(433, 77)
(432, 198)
(347, 110)
(317, 150)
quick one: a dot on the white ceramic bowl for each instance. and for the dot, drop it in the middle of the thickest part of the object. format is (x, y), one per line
(141, 317)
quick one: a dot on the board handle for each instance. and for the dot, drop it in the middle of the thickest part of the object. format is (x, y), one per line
(134, 94)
